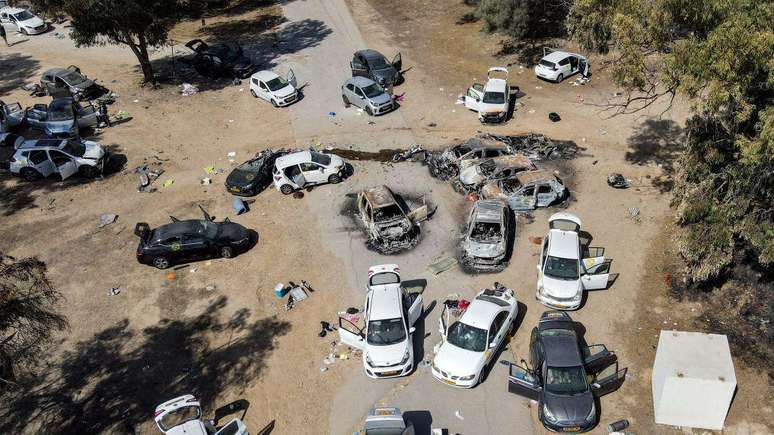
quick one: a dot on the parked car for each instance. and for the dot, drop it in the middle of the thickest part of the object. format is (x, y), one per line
(558, 65)
(373, 65)
(69, 82)
(527, 190)
(390, 225)
(254, 175)
(386, 338)
(183, 416)
(475, 173)
(267, 85)
(24, 20)
(387, 421)
(190, 240)
(470, 343)
(307, 168)
(63, 117)
(36, 159)
(485, 244)
(11, 115)
(366, 94)
(492, 100)
(226, 59)
(565, 378)
(566, 268)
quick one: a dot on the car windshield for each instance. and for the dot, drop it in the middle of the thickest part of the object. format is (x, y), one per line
(61, 112)
(384, 278)
(208, 229)
(387, 213)
(386, 332)
(24, 15)
(373, 90)
(322, 159)
(378, 62)
(494, 98)
(276, 83)
(548, 64)
(566, 380)
(510, 185)
(254, 165)
(74, 148)
(561, 268)
(467, 337)
(73, 78)
(179, 416)
(486, 232)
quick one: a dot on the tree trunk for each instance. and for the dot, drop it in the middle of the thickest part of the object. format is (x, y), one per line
(140, 50)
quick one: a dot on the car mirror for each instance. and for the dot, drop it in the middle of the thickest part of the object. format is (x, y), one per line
(492, 345)
(412, 330)
(596, 386)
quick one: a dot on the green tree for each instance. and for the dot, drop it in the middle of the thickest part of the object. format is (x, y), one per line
(523, 18)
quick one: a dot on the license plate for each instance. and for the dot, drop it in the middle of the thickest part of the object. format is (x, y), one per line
(392, 373)
(572, 429)
(446, 381)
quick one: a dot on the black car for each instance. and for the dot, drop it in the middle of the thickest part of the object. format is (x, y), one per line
(565, 378)
(254, 175)
(372, 64)
(190, 240)
(226, 59)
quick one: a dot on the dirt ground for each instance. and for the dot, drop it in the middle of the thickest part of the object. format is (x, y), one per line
(216, 330)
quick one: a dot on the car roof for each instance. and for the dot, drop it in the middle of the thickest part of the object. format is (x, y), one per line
(563, 244)
(60, 102)
(480, 313)
(489, 210)
(176, 229)
(369, 53)
(511, 161)
(379, 196)
(360, 81)
(495, 85)
(13, 10)
(265, 75)
(58, 71)
(533, 176)
(293, 158)
(40, 143)
(561, 348)
(556, 56)
(385, 302)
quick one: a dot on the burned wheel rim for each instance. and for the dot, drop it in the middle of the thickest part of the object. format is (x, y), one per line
(226, 252)
(286, 189)
(161, 262)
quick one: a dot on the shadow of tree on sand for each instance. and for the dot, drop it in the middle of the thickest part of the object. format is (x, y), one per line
(658, 141)
(112, 382)
(15, 70)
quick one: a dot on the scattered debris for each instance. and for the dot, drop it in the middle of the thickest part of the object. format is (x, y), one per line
(618, 425)
(210, 288)
(147, 177)
(441, 264)
(536, 240)
(554, 117)
(239, 206)
(458, 415)
(168, 182)
(617, 181)
(107, 219)
(405, 155)
(186, 90)
(634, 212)
(114, 291)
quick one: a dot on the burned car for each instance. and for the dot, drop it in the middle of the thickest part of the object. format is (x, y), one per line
(11, 115)
(62, 117)
(69, 82)
(527, 190)
(446, 165)
(254, 175)
(226, 59)
(390, 225)
(485, 244)
(476, 173)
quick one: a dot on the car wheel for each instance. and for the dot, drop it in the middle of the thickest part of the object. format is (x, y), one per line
(226, 252)
(559, 78)
(369, 111)
(334, 179)
(252, 92)
(286, 189)
(161, 262)
(88, 171)
(274, 102)
(24, 32)
(345, 100)
(29, 174)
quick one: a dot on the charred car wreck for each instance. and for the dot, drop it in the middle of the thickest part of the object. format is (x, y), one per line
(487, 234)
(390, 225)
(527, 190)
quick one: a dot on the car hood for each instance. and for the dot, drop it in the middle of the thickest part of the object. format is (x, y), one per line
(569, 409)
(336, 161)
(285, 92)
(32, 22)
(93, 150)
(484, 250)
(239, 177)
(470, 175)
(193, 427)
(381, 99)
(492, 108)
(385, 74)
(561, 288)
(232, 232)
(388, 355)
(457, 361)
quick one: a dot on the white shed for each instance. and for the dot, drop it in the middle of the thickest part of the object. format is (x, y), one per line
(693, 380)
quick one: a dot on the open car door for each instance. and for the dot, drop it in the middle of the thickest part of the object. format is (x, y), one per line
(67, 169)
(593, 257)
(397, 62)
(608, 380)
(443, 321)
(87, 115)
(473, 97)
(13, 113)
(564, 221)
(583, 66)
(291, 78)
(233, 427)
(357, 67)
(596, 357)
(421, 214)
(414, 306)
(523, 383)
(497, 72)
(597, 276)
(350, 334)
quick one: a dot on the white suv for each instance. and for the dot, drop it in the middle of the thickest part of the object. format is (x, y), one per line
(491, 101)
(267, 85)
(306, 168)
(40, 158)
(558, 65)
(565, 269)
(389, 316)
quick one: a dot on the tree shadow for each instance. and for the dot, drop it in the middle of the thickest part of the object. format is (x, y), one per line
(112, 382)
(236, 29)
(658, 141)
(15, 70)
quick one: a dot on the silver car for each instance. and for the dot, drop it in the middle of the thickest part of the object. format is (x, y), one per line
(62, 117)
(367, 95)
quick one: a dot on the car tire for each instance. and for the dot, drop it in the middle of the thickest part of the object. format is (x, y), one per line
(334, 179)
(24, 32)
(227, 252)
(29, 174)
(161, 263)
(88, 171)
(345, 100)
(559, 78)
(369, 111)
(252, 92)
(286, 189)
(274, 102)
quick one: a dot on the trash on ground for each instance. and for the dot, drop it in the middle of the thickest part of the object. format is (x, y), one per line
(107, 219)
(114, 291)
(617, 181)
(187, 89)
(168, 182)
(206, 181)
(210, 288)
(239, 205)
(209, 169)
(442, 264)
(554, 117)
(458, 415)
(634, 212)
(405, 155)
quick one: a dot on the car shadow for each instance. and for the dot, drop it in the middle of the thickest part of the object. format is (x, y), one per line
(421, 420)
(232, 408)
(521, 313)
(268, 429)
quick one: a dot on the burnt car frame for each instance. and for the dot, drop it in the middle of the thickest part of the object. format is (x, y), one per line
(566, 378)
(63, 117)
(447, 164)
(70, 82)
(527, 190)
(224, 59)
(253, 176)
(487, 235)
(476, 173)
(390, 226)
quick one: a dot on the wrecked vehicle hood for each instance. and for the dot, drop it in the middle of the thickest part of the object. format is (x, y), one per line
(394, 229)
(60, 127)
(561, 288)
(470, 175)
(388, 355)
(385, 75)
(93, 150)
(241, 177)
(35, 21)
(484, 250)
(492, 108)
(383, 98)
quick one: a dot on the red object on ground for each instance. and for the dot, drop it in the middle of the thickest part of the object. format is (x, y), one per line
(471, 196)
(463, 304)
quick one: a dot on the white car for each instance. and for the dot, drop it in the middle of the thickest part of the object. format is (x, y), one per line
(267, 85)
(471, 342)
(565, 269)
(25, 21)
(306, 168)
(389, 316)
(558, 65)
(183, 416)
(40, 158)
(492, 100)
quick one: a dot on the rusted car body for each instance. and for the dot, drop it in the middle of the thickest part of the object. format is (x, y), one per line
(527, 190)
(390, 226)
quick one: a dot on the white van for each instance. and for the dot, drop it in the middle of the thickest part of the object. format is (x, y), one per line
(307, 168)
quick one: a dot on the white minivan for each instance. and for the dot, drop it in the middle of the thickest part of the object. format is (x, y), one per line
(307, 168)
(267, 85)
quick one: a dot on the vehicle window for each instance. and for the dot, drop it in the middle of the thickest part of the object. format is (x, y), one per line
(544, 188)
(292, 171)
(528, 191)
(351, 87)
(73, 78)
(358, 92)
(322, 159)
(386, 332)
(169, 241)
(384, 278)
(23, 16)
(59, 158)
(467, 337)
(494, 98)
(564, 61)
(493, 331)
(373, 90)
(561, 268)
(368, 210)
(378, 62)
(180, 416)
(486, 232)
(37, 157)
(500, 319)
(387, 212)
(276, 83)
(62, 112)
(492, 153)
(566, 380)
(74, 148)
(192, 239)
(256, 82)
(262, 85)
(461, 151)
(308, 167)
(208, 229)
(545, 251)
(547, 64)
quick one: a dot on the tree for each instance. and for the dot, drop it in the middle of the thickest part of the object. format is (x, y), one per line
(27, 315)
(138, 24)
(523, 18)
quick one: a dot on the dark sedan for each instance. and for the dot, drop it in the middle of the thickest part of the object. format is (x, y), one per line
(254, 175)
(565, 379)
(226, 59)
(372, 64)
(190, 240)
